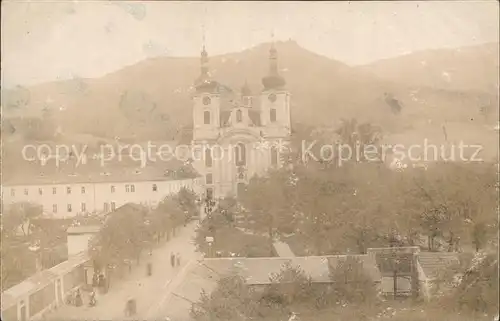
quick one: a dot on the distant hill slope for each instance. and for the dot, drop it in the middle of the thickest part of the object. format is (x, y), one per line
(151, 99)
(473, 68)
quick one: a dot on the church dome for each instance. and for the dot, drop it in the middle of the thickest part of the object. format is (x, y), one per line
(273, 82)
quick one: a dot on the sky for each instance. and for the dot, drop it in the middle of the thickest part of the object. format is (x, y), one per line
(45, 41)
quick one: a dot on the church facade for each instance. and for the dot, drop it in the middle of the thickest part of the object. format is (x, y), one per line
(238, 134)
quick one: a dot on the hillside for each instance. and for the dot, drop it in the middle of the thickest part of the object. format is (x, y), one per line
(462, 69)
(151, 99)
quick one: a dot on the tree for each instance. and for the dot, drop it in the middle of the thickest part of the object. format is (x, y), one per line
(187, 201)
(122, 238)
(266, 204)
(172, 213)
(289, 286)
(11, 222)
(454, 201)
(232, 300)
(16, 264)
(478, 287)
(358, 137)
(351, 282)
(21, 215)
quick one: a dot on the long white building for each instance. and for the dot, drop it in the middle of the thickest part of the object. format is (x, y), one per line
(68, 191)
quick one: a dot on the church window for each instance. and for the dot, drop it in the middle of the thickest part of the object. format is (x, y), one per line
(239, 116)
(209, 179)
(208, 157)
(206, 117)
(206, 100)
(240, 155)
(272, 98)
(272, 115)
(274, 156)
(210, 193)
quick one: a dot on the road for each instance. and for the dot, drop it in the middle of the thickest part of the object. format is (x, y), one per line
(149, 292)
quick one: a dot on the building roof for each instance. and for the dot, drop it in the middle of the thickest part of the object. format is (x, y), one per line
(95, 171)
(83, 229)
(283, 249)
(433, 263)
(258, 271)
(204, 274)
(39, 280)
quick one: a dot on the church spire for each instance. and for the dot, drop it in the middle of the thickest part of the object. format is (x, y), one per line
(273, 58)
(273, 80)
(204, 59)
(204, 82)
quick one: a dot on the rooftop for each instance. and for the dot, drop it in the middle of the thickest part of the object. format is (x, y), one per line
(39, 280)
(73, 171)
(204, 274)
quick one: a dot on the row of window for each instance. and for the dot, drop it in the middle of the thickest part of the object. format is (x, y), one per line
(128, 189)
(239, 116)
(83, 207)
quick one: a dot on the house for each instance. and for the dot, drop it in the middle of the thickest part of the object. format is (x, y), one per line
(203, 275)
(69, 188)
(78, 238)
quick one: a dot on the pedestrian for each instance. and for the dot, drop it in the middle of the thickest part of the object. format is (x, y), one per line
(95, 280)
(172, 259)
(78, 298)
(178, 261)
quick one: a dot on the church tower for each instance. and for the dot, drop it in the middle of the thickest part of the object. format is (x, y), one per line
(275, 101)
(206, 109)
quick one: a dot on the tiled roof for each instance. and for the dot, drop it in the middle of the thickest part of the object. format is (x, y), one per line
(434, 262)
(72, 172)
(260, 270)
(204, 275)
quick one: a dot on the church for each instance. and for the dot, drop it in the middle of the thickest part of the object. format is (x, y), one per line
(238, 135)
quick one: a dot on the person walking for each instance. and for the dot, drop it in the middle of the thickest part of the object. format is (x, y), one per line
(172, 259)
(78, 298)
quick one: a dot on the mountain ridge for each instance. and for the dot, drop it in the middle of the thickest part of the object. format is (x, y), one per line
(140, 101)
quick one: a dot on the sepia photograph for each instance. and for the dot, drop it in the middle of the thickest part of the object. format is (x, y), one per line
(250, 160)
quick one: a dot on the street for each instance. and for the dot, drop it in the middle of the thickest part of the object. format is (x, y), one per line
(149, 292)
